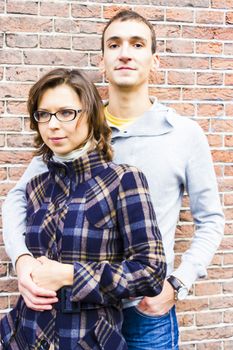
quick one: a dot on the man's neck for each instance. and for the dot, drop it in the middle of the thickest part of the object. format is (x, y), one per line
(124, 103)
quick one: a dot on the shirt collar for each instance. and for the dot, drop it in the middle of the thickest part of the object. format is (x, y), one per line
(157, 120)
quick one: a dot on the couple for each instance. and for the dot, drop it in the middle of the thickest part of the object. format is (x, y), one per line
(174, 155)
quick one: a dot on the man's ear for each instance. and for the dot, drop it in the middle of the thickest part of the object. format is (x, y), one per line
(155, 64)
(102, 66)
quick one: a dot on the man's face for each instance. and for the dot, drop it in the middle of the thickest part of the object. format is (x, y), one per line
(128, 59)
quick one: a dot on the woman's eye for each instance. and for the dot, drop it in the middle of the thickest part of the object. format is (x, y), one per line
(43, 115)
(66, 113)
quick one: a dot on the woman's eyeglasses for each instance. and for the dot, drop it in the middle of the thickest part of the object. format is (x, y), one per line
(64, 115)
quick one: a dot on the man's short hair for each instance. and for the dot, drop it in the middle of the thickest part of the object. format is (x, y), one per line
(128, 15)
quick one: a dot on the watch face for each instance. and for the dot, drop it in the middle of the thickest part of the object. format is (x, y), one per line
(182, 293)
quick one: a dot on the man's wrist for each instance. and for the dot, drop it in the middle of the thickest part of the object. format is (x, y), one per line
(180, 290)
(20, 256)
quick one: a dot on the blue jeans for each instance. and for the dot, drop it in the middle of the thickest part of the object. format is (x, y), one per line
(144, 332)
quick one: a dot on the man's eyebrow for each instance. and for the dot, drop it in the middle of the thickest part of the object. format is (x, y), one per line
(117, 38)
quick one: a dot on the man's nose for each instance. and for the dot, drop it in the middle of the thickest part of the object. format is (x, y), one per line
(125, 54)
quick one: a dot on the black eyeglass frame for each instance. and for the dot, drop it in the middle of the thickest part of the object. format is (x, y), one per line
(76, 112)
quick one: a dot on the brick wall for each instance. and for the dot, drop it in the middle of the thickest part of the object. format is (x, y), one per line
(195, 43)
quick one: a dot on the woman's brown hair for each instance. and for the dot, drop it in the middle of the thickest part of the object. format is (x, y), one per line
(99, 131)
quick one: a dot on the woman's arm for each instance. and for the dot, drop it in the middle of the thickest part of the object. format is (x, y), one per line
(143, 270)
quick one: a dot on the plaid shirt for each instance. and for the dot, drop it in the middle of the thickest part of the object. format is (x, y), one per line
(97, 216)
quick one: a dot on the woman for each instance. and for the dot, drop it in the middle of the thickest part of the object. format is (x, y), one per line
(90, 223)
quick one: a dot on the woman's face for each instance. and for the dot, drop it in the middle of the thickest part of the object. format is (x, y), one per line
(62, 137)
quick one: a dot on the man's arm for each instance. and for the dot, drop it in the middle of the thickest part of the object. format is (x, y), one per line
(208, 217)
(14, 226)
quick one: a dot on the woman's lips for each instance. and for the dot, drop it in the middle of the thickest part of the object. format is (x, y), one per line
(56, 139)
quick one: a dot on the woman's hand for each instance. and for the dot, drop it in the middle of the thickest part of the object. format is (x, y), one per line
(51, 274)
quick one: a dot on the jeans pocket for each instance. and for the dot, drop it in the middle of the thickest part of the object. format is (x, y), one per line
(144, 314)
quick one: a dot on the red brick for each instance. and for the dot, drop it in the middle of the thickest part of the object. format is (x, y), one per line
(222, 125)
(183, 62)
(181, 78)
(157, 77)
(181, 3)
(16, 107)
(223, 156)
(192, 305)
(179, 46)
(2, 106)
(223, 4)
(228, 171)
(204, 124)
(89, 27)
(229, 110)
(228, 259)
(228, 316)
(21, 40)
(213, 94)
(3, 176)
(227, 242)
(198, 32)
(206, 333)
(95, 59)
(26, 24)
(150, 13)
(187, 347)
(2, 6)
(14, 90)
(166, 93)
(208, 318)
(210, 17)
(54, 9)
(222, 63)
(86, 43)
(226, 184)
(185, 109)
(209, 48)
(21, 74)
(186, 231)
(186, 320)
(55, 42)
(217, 273)
(85, 11)
(53, 58)
(3, 272)
(228, 49)
(16, 172)
(4, 189)
(111, 10)
(20, 140)
(217, 260)
(229, 17)
(10, 57)
(1, 73)
(1, 40)
(10, 124)
(66, 26)
(209, 346)
(228, 287)
(215, 140)
(229, 79)
(210, 110)
(228, 140)
(221, 302)
(3, 303)
(203, 288)
(228, 228)
(179, 15)
(223, 33)
(182, 245)
(22, 7)
(167, 31)
(209, 78)
(8, 286)
(2, 140)
(15, 157)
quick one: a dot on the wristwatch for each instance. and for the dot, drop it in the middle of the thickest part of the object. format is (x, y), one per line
(180, 290)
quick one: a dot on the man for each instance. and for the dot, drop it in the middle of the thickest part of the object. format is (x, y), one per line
(173, 153)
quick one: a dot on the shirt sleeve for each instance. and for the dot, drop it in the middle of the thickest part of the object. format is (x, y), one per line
(206, 210)
(14, 212)
(143, 269)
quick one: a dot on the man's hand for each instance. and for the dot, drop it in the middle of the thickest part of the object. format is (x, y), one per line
(35, 297)
(159, 305)
(51, 274)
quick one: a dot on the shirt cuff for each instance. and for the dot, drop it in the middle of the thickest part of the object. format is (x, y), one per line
(188, 273)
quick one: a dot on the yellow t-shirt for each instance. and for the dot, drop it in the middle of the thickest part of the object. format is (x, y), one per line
(116, 121)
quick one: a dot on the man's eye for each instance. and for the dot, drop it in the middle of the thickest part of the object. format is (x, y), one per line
(113, 46)
(138, 45)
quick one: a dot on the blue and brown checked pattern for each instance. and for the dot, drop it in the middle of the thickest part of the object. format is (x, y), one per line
(97, 216)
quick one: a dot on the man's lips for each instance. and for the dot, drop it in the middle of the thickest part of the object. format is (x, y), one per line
(125, 68)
